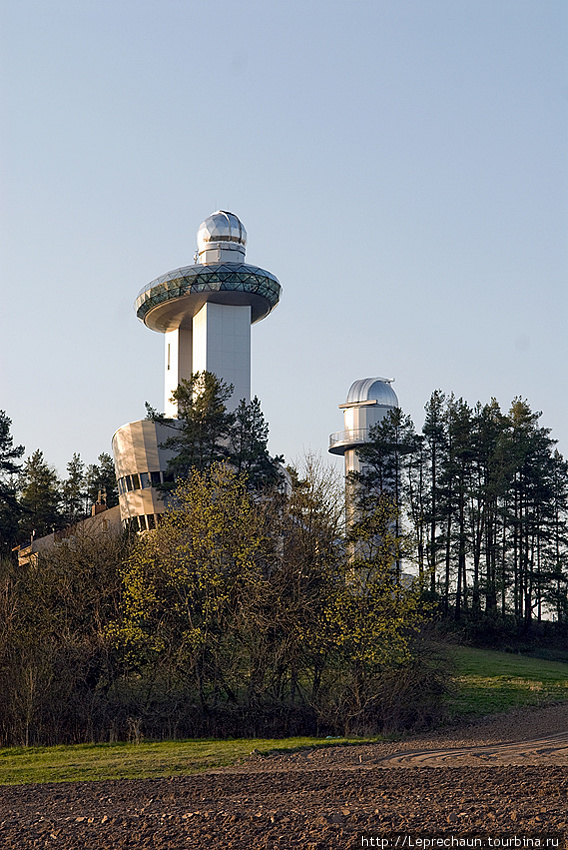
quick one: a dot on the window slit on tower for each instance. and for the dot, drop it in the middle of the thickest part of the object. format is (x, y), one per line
(168, 355)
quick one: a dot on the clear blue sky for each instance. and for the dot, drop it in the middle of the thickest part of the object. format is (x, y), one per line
(400, 165)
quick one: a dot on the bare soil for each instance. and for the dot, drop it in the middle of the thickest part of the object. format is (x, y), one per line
(505, 776)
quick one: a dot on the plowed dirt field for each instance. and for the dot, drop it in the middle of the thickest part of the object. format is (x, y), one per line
(505, 776)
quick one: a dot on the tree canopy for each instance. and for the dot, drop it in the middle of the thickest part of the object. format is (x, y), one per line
(251, 604)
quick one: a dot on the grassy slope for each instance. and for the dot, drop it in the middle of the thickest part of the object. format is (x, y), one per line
(487, 682)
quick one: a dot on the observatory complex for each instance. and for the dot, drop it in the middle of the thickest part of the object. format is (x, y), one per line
(205, 312)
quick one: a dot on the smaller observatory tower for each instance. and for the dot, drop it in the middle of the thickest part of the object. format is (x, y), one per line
(205, 312)
(368, 401)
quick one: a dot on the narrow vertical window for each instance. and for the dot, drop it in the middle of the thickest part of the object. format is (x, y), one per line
(168, 355)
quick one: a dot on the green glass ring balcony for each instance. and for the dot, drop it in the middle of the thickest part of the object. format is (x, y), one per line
(171, 301)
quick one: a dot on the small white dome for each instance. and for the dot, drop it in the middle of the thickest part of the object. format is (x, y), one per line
(369, 389)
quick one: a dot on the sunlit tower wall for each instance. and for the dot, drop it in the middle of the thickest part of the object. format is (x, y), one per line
(368, 402)
(205, 312)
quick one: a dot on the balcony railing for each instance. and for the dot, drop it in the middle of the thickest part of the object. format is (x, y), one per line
(343, 439)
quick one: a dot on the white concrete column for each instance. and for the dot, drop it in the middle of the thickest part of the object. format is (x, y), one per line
(221, 344)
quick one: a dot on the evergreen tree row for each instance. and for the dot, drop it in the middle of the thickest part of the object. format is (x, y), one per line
(484, 496)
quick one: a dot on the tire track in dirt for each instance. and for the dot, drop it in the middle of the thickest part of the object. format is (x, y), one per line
(550, 749)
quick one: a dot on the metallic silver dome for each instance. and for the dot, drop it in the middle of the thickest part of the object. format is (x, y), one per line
(221, 226)
(369, 389)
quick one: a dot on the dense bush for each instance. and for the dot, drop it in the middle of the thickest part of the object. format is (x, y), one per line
(243, 615)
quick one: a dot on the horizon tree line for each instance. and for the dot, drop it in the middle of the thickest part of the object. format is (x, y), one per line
(481, 495)
(250, 609)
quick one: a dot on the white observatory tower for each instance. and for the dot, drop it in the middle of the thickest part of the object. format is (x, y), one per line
(368, 401)
(205, 312)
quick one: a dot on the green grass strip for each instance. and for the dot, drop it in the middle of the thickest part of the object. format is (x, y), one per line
(92, 762)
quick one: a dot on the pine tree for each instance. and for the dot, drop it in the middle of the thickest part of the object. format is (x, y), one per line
(556, 555)
(434, 437)
(203, 428)
(462, 424)
(530, 449)
(73, 491)
(207, 433)
(489, 484)
(385, 461)
(101, 479)
(248, 447)
(9, 508)
(40, 496)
